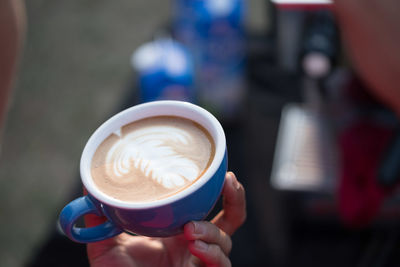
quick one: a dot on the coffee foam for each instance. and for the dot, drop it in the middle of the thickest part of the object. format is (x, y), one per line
(151, 151)
(152, 158)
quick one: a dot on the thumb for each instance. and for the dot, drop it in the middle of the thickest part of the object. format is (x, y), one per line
(234, 212)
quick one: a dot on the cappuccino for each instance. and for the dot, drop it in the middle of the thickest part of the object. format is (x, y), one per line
(152, 158)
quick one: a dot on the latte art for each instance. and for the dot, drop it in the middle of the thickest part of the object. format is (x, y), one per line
(152, 158)
(152, 151)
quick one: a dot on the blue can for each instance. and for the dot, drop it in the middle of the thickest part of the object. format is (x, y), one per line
(213, 31)
(164, 71)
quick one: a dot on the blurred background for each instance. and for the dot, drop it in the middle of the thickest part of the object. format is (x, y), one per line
(300, 124)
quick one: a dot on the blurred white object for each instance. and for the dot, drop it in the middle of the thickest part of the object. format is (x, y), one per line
(305, 154)
(165, 71)
(316, 65)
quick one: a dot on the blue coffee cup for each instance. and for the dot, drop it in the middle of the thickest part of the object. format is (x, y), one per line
(159, 218)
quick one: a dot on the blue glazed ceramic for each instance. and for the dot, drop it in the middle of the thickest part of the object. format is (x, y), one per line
(160, 218)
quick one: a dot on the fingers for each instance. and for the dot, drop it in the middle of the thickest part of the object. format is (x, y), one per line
(209, 243)
(234, 213)
(210, 254)
(208, 233)
(97, 249)
(92, 219)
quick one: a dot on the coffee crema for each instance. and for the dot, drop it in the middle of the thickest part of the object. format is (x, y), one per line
(152, 158)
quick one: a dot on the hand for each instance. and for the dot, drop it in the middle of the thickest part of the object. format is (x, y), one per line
(202, 243)
(371, 31)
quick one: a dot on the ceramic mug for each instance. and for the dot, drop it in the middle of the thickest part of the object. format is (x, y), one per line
(159, 218)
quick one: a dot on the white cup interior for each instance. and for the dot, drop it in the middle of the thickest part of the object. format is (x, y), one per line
(157, 108)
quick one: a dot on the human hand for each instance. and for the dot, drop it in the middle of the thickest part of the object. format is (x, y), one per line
(202, 243)
(371, 32)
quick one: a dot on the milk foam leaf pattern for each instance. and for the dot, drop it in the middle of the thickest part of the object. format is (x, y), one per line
(154, 151)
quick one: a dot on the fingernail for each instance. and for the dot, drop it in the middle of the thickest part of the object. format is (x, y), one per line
(199, 229)
(235, 183)
(200, 245)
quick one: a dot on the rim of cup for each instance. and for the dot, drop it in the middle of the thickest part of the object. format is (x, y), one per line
(141, 111)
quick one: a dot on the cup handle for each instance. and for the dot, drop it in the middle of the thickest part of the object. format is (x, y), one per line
(78, 208)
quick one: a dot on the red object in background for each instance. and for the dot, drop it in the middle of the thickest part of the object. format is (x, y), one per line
(362, 147)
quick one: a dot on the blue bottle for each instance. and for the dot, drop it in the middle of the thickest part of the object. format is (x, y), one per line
(213, 32)
(165, 71)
